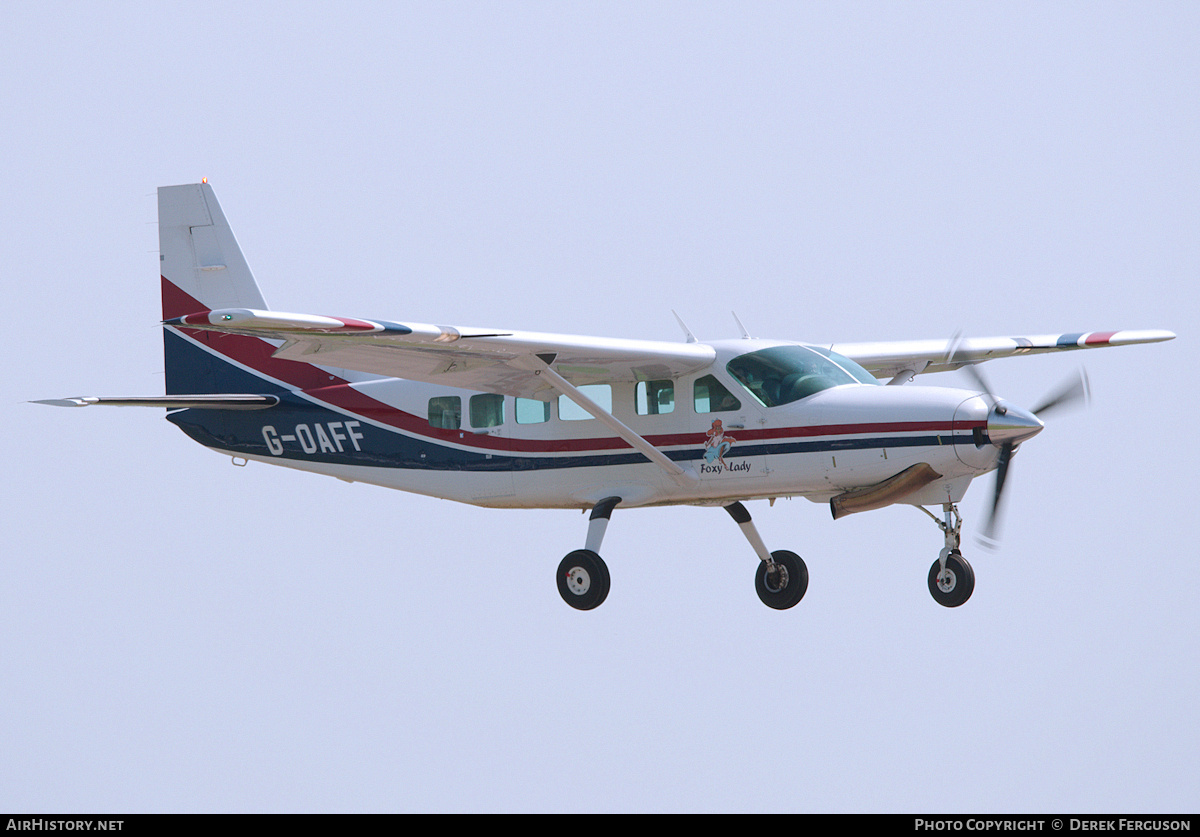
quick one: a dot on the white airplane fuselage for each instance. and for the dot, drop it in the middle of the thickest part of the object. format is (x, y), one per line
(389, 432)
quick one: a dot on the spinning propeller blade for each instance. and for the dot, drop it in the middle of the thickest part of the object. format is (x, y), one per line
(1070, 391)
(988, 535)
(969, 368)
(1074, 391)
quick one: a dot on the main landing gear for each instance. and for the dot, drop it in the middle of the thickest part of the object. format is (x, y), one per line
(951, 579)
(583, 579)
(782, 577)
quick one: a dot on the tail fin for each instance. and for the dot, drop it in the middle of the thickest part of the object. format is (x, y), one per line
(201, 263)
(202, 268)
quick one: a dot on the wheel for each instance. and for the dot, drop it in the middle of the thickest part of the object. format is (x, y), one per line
(955, 585)
(583, 579)
(784, 587)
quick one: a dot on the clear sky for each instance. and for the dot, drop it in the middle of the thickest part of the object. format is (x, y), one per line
(180, 635)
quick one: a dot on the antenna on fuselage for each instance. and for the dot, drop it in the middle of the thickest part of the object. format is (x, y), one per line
(745, 334)
(691, 338)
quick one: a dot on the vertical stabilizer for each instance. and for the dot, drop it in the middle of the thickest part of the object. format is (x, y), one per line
(199, 258)
(201, 268)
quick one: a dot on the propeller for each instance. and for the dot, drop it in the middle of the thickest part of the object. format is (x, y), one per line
(1009, 425)
(1072, 391)
(987, 536)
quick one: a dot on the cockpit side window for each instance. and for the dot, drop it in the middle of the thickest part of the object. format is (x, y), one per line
(857, 372)
(783, 374)
(711, 396)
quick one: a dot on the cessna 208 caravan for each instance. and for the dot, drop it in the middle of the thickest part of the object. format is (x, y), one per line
(513, 419)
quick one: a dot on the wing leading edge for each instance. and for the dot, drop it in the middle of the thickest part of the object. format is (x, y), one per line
(886, 359)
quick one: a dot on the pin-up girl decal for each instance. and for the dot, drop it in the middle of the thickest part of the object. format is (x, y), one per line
(717, 444)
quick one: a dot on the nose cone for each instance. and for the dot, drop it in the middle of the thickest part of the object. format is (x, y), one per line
(1008, 424)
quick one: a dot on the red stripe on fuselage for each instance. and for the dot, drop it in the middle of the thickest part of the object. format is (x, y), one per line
(1098, 338)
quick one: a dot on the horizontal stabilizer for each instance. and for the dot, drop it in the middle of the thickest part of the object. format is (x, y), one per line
(204, 402)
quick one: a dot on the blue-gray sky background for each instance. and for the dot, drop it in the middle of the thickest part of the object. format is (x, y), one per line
(180, 635)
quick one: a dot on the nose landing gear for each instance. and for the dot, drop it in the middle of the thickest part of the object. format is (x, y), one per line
(951, 579)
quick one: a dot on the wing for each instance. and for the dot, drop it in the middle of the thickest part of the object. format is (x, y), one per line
(486, 360)
(917, 356)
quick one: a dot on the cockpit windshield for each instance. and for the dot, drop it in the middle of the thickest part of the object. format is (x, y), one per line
(783, 374)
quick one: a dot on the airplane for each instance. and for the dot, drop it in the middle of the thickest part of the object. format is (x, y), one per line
(512, 419)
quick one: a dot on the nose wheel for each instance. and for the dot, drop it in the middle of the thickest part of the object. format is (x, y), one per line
(953, 584)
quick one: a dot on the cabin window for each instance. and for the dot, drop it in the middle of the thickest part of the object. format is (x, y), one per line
(487, 410)
(653, 398)
(531, 411)
(568, 410)
(712, 397)
(445, 412)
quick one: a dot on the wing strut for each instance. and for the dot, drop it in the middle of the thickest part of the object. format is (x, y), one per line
(539, 366)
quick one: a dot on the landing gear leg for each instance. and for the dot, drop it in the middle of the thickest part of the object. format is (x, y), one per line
(951, 579)
(583, 579)
(782, 577)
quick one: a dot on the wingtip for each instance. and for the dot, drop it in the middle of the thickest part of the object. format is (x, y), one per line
(63, 402)
(1154, 335)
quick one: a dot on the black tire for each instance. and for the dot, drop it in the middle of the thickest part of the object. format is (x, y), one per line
(583, 579)
(786, 587)
(959, 584)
